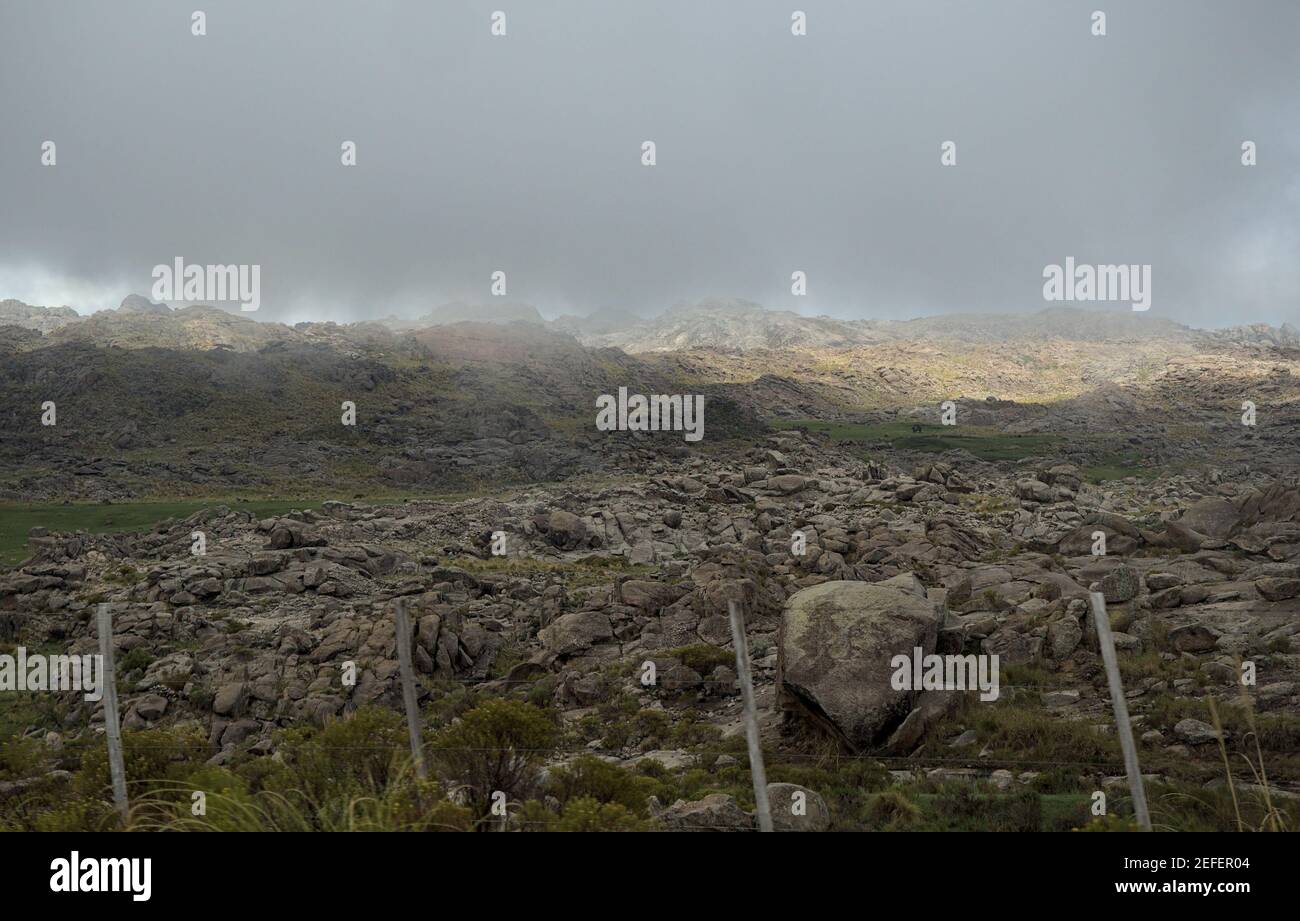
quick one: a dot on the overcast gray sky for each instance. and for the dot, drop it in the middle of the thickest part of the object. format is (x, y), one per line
(775, 153)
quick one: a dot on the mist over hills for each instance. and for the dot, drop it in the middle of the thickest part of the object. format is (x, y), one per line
(778, 363)
(713, 323)
(743, 325)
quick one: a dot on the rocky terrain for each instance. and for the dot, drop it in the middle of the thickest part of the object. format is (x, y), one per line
(826, 499)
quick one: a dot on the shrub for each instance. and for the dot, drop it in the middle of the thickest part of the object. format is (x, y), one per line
(20, 758)
(581, 814)
(1280, 644)
(126, 574)
(201, 697)
(138, 658)
(703, 657)
(498, 745)
(150, 758)
(586, 814)
(591, 778)
(891, 811)
(359, 754)
(1019, 728)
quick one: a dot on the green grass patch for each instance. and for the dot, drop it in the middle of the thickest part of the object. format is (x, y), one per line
(1018, 729)
(985, 443)
(1120, 466)
(17, 520)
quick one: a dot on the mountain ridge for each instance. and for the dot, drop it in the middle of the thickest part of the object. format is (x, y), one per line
(727, 325)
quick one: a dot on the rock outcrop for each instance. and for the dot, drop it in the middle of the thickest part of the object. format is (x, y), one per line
(837, 643)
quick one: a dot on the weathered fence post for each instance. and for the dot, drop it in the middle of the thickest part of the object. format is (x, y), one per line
(756, 770)
(1122, 725)
(403, 627)
(112, 725)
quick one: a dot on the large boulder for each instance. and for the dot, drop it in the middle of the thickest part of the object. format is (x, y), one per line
(287, 533)
(1194, 638)
(1063, 636)
(715, 812)
(1195, 732)
(1277, 588)
(836, 645)
(563, 529)
(1277, 503)
(1035, 490)
(1116, 523)
(648, 595)
(230, 698)
(575, 632)
(1079, 542)
(1183, 537)
(150, 707)
(1213, 517)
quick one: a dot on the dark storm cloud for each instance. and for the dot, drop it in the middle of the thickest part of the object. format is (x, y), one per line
(775, 153)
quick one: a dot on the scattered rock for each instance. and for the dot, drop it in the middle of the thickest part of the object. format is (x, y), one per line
(796, 808)
(1277, 589)
(1120, 584)
(1195, 732)
(715, 812)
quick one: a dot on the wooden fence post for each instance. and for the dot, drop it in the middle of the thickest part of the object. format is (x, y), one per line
(403, 627)
(1122, 725)
(756, 771)
(112, 725)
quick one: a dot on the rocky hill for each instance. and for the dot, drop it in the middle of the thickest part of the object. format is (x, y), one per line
(41, 319)
(224, 403)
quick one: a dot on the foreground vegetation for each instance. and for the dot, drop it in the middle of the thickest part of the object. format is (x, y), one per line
(356, 774)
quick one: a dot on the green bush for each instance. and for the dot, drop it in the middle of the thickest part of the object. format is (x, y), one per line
(703, 657)
(20, 758)
(359, 754)
(586, 814)
(498, 745)
(588, 777)
(201, 697)
(581, 814)
(138, 658)
(151, 758)
(156, 761)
